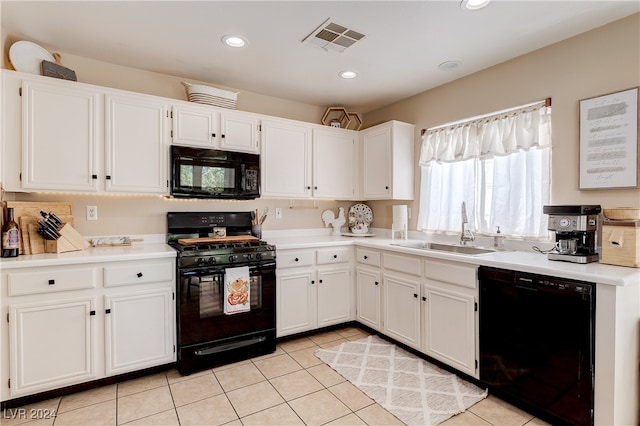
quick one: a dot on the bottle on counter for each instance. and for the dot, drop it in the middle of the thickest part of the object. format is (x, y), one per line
(498, 239)
(10, 236)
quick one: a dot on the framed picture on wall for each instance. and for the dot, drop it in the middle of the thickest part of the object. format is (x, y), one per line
(609, 141)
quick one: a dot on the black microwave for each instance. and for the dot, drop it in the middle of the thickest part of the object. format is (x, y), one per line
(212, 173)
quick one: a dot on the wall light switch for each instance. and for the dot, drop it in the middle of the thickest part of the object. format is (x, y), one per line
(278, 213)
(92, 212)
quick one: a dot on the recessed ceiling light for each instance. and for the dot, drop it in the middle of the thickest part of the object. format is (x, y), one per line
(234, 41)
(347, 74)
(449, 65)
(473, 4)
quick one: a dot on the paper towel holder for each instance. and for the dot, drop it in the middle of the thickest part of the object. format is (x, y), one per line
(399, 227)
(399, 232)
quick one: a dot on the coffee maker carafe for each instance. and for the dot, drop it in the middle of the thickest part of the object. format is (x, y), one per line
(576, 229)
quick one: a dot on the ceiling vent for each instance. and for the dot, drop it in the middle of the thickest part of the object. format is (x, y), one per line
(334, 37)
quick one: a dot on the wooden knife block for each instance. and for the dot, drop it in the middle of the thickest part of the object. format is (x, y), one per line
(70, 240)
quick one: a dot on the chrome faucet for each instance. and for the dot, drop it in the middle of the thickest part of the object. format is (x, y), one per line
(465, 235)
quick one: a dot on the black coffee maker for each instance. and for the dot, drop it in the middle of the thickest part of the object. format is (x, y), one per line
(576, 229)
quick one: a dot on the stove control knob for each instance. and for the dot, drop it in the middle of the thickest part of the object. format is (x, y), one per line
(249, 256)
(212, 260)
(199, 261)
(233, 258)
(258, 256)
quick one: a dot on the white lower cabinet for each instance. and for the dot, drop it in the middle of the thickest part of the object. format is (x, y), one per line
(450, 314)
(402, 308)
(295, 301)
(402, 280)
(369, 295)
(52, 344)
(138, 330)
(368, 288)
(334, 298)
(67, 326)
(313, 289)
(426, 304)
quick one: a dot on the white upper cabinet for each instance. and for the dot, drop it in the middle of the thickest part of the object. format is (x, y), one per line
(335, 163)
(302, 161)
(387, 161)
(82, 138)
(60, 135)
(136, 134)
(239, 132)
(196, 125)
(205, 126)
(285, 159)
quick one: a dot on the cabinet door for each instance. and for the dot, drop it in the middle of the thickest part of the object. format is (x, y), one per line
(196, 126)
(239, 132)
(368, 295)
(136, 144)
(286, 160)
(59, 137)
(295, 302)
(51, 344)
(449, 328)
(334, 299)
(402, 309)
(334, 163)
(139, 331)
(376, 163)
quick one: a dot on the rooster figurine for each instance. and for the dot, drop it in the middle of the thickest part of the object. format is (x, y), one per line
(330, 218)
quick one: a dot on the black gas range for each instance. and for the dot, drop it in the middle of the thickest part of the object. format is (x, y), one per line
(207, 253)
(225, 287)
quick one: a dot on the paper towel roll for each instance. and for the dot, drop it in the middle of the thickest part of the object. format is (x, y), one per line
(400, 216)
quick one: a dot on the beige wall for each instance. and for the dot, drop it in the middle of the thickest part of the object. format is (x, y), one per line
(598, 62)
(601, 61)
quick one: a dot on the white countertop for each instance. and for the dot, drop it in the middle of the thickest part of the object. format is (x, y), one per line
(525, 261)
(90, 255)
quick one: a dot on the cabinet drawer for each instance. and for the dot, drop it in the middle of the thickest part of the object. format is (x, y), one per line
(336, 255)
(451, 272)
(406, 264)
(294, 259)
(50, 280)
(368, 257)
(138, 273)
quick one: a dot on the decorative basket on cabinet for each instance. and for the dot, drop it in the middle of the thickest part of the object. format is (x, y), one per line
(208, 95)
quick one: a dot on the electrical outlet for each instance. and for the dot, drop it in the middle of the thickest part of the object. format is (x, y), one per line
(278, 213)
(92, 212)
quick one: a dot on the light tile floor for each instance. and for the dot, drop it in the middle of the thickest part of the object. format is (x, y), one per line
(288, 387)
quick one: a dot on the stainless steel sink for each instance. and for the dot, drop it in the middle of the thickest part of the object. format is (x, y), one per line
(424, 245)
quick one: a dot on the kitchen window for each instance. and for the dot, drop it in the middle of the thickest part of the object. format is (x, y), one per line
(498, 164)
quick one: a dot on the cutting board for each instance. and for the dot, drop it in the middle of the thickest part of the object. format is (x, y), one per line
(27, 215)
(33, 208)
(232, 239)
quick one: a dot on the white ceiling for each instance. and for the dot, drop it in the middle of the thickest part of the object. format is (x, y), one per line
(405, 41)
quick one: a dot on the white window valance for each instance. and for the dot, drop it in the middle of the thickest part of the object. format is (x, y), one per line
(498, 134)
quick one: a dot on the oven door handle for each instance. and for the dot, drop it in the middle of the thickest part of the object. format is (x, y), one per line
(220, 269)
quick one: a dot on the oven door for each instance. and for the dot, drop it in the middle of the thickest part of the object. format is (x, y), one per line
(202, 315)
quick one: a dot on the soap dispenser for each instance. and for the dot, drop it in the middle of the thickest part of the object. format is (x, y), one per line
(498, 239)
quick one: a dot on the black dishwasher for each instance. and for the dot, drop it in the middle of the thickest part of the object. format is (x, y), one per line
(537, 343)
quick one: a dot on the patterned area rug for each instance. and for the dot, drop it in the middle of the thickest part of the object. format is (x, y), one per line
(414, 390)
